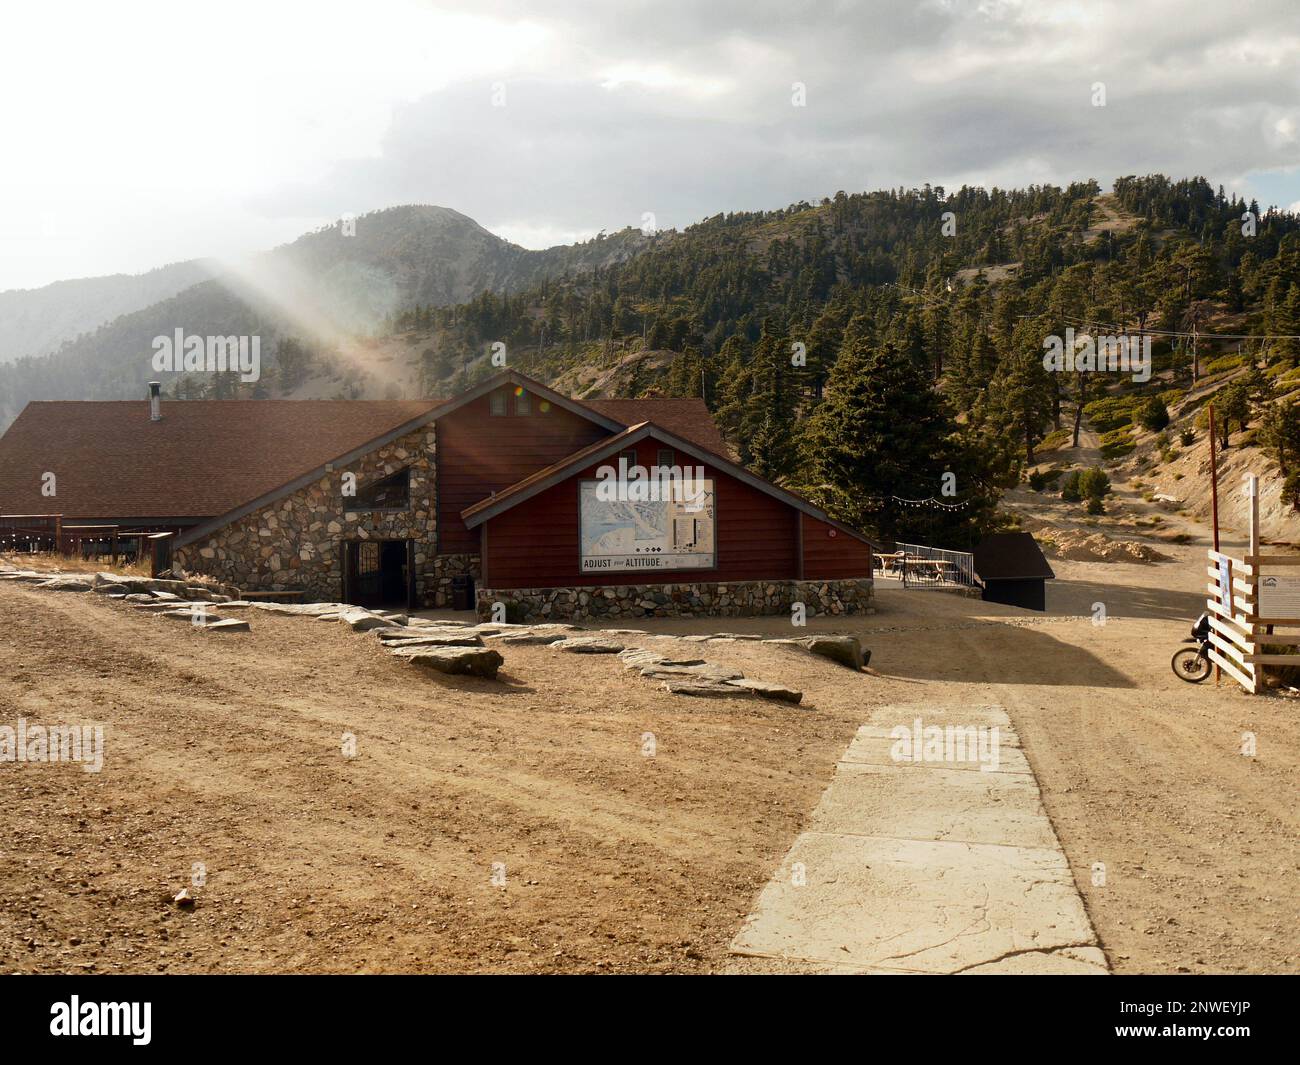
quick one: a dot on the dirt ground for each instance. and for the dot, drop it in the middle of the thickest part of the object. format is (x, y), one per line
(227, 751)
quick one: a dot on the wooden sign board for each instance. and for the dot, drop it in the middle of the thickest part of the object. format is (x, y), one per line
(1279, 598)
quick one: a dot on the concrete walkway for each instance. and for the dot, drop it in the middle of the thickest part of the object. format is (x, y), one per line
(924, 866)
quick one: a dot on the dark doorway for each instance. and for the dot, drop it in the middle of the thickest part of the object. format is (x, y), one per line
(378, 573)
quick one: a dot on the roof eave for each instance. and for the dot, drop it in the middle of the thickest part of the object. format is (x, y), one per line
(489, 508)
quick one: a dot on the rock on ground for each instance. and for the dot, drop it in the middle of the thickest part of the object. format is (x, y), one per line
(364, 620)
(846, 650)
(474, 661)
(66, 584)
(589, 645)
(428, 638)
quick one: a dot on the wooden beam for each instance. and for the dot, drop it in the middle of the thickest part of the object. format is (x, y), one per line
(1228, 649)
(1241, 639)
(1239, 619)
(1242, 678)
(1219, 556)
(1245, 602)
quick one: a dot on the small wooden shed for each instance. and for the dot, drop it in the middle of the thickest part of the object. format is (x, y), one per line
(1012, 569)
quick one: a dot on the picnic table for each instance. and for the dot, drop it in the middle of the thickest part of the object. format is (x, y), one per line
(925, 568)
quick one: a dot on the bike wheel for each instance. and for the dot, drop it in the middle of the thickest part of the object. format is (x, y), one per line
(1189, 665)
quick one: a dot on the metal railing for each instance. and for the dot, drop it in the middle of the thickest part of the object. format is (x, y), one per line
(922, 566)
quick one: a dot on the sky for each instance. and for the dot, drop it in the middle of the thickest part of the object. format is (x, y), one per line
(151, 131)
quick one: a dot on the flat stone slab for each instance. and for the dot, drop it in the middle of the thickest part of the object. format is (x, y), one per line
(704, 689)
(938, 804)
(589, 645)
(66, 584)
(961, 753)
(474, 661)
(400, 638)
(228, 625)
(916, 905)
(364, 620)
(924, 867)
(199, 618)
(767, 690)
(311, 610)
(703, 671)
(533, 635)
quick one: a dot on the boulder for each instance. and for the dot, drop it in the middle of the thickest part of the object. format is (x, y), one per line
(846, 650)
(112, 582)
(472, 661)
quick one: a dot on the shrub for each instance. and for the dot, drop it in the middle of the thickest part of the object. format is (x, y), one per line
(1112, 412)
(1153, 414)
(1095, 506)
(1228, 362)
(1117, 443)
(1094, 484)
(1187, 437)
(1055, 439)
(1040, 479)
(1070, 490)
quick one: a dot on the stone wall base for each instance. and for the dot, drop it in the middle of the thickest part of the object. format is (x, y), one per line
(730, 599)
(438, 586)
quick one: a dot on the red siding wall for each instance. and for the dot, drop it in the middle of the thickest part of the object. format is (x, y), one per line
(535, 544)
(480, 453)
(830, 554)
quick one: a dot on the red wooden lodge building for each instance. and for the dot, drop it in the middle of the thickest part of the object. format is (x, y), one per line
(406, 503)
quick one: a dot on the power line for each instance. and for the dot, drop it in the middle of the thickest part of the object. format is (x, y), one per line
(1076, 320)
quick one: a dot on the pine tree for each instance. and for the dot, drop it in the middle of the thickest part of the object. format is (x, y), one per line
(881, 434)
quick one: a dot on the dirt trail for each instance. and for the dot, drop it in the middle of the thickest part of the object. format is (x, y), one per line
(227, 752)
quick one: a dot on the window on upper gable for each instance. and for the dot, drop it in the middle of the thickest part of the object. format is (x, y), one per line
(497, 403)
(390, 493)
(667, 458)
(523, 403)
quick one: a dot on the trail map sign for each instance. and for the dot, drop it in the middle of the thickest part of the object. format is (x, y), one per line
(1279, 597)
(660, 534)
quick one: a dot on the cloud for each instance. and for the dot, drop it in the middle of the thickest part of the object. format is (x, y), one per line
(686, 109)
(675, 107)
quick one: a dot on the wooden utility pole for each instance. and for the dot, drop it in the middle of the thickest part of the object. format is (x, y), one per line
(1214, 515)
(1257, 668)
(1214, 481)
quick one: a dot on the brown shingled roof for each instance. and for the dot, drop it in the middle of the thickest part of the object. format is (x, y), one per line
(202, 459)
(688, 418)
(206, 458)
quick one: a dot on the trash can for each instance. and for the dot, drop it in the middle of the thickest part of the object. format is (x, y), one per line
(462, 592)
